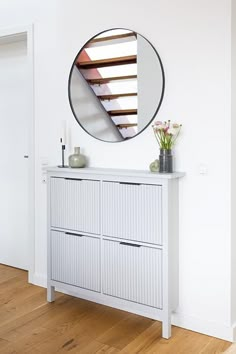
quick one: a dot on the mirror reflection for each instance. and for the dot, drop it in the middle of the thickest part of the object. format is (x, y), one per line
(116, 85)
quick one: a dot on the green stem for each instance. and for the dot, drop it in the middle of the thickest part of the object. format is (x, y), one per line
(155, 134)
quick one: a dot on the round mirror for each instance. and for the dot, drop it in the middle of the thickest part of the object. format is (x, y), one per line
(116, 85)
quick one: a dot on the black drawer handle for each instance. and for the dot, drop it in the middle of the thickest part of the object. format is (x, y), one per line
(129, 244)
(73, 179)
(73, 234)
(131, 183)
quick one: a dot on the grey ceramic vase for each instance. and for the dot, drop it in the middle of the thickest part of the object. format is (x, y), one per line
(166, 161)
(77, 160)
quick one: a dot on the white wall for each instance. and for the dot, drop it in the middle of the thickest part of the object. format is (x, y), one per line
(193, 39)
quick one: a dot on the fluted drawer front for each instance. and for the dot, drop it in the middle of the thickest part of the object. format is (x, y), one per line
(75, 204)
(132, 273)
(132, 212)
(75, 260)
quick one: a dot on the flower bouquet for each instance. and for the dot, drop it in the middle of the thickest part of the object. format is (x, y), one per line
(166, 135)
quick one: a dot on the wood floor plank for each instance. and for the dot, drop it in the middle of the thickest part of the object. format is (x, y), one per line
(125, 331)
(32, 319)
(216, 346)
(28, 325)
(11, 312)
(84, 316)
(101, 321)
(10, 272)
(90, 325)
(31, 325)
(75, 344)
(182, 342)
(108, 350)
(30, 342)
(11, 285)
(17, 293)
(231, 349)
(3, 344)
(142, 342)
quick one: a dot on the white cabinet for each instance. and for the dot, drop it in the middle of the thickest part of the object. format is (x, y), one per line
(132, 211)
(113, 239)
(75, 204)
(130, 271)
(75, 259)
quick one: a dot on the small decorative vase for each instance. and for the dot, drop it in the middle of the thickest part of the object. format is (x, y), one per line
(166, 161)
(77, 160)
(154, 166)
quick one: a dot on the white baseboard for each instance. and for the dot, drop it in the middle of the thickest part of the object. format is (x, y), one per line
(234, 332)
(180, 320)
(39, 280)
(204, 327)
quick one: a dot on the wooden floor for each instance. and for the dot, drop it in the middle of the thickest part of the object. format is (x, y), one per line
(28, 324)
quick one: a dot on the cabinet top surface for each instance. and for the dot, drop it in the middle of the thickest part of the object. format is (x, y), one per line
(114, 172)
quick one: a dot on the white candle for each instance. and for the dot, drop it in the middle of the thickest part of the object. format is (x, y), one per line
(63, 135)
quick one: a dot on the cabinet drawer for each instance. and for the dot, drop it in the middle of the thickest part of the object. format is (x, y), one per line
(132, 211)
(132, 273)
(75, 204)
(75, 260)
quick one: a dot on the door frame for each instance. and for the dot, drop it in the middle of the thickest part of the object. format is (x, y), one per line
(9, 33)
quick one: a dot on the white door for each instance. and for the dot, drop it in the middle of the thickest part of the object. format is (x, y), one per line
(14, 145)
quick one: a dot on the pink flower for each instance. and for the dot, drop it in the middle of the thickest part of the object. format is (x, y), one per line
(158, 122)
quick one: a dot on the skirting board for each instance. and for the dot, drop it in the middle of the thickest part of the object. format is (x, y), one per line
(178, 319)
(234, 333)
(204, 327)
(39, 280)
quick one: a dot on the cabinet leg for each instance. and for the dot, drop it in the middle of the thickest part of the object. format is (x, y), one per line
(166, 328)
(50, 293)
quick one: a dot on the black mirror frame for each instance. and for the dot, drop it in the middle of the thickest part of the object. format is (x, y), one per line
(162, 93)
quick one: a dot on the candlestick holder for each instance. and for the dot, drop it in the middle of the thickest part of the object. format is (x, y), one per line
(63, 147)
